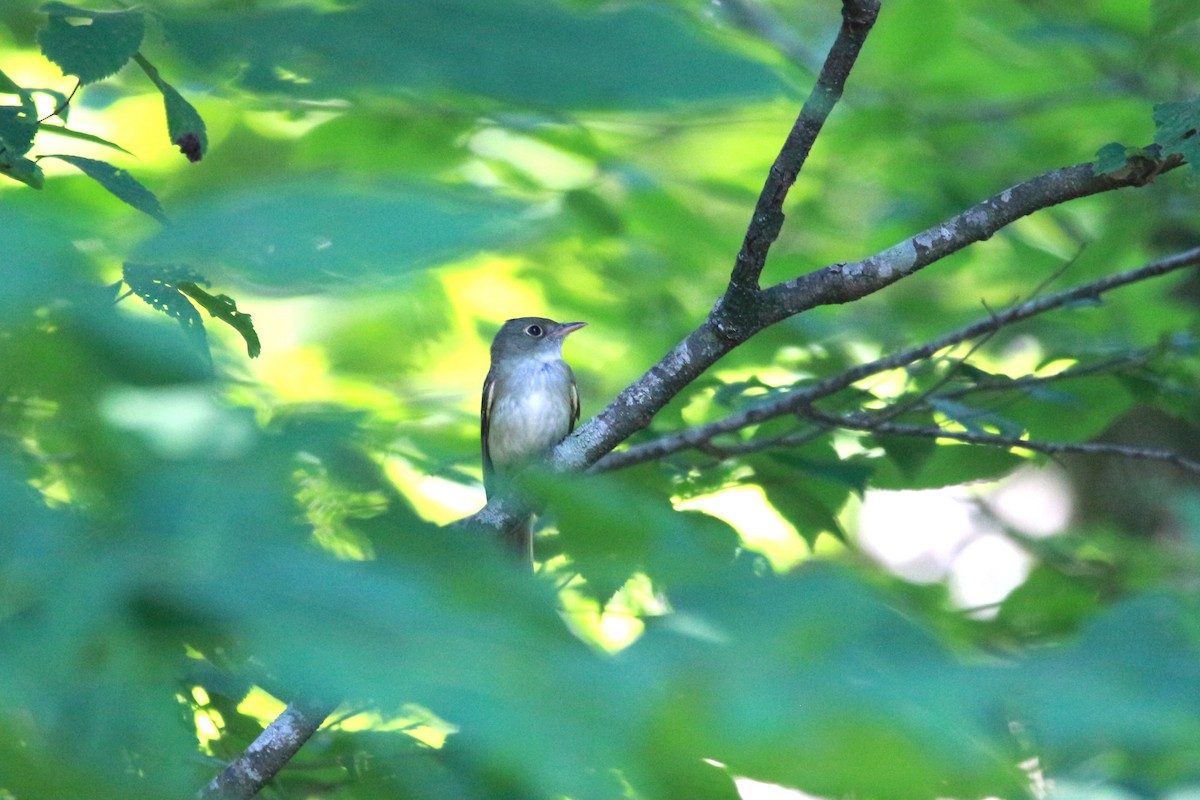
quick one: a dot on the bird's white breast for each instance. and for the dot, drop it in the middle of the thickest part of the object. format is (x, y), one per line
(531, 412)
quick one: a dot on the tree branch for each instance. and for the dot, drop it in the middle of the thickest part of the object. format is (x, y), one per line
(793, 401)
(854, 422)
(843, 283)
(723, 330)
(858, 17)
(268, 754)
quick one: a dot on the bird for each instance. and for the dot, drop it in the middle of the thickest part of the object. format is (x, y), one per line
(530, 403)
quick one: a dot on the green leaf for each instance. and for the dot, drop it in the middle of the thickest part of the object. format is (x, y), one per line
(1177, 125)
(21, 169)
(94, 50)
(539, 54)
(223, 307)
(184, 125)
(1141, 657)
(1048, 603)
(612, 526)
(809, 486)
(156, 284)
(116, 180)
(907, 454)
(310, 234)
(18, 126)
(1169, 16)
(1112, 157)
(828, 670)
(70, 133)
(947, 464)
(975, 420)
(8, 85)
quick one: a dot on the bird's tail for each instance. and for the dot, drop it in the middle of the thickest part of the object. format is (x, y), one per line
(519, 538)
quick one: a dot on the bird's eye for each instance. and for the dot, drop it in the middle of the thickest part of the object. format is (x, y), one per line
(535, 331)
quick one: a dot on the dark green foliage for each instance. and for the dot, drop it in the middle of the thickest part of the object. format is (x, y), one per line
(119, 182)
(92, 50)
(172, 288)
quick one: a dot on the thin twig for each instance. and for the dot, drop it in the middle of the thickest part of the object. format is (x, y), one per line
(1133, 358)
(61, 106)
(855, 422)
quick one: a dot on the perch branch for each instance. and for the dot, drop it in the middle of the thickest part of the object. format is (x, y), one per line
(257, 766)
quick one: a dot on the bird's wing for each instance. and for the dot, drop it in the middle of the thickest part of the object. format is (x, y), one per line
(485, 423)
(574, 402)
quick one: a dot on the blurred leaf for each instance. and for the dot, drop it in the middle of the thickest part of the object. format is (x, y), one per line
(1112, 157)
(158, 285)
(21, 169)
(612, 526)
(93, 50)
(9, 86)
(184, 124)
(539, 53)
(1048, 603)
(944, 465)
(123, 185)
(1146, 729)
(809, 485)
(223, 307)
(975, 420)
(308, 235)
(18, 126)
(907, 454)
(1170, 15)
(1176, 127)
(783, 699)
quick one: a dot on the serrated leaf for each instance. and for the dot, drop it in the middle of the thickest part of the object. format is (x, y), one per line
(223, 307)
(156, 285)
(92, 51)
(119, 182)
(184, 124)
(1177, 125)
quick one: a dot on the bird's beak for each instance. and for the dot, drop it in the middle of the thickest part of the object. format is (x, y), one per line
(567, 327)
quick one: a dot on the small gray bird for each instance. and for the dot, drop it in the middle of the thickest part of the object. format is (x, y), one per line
(530, 404)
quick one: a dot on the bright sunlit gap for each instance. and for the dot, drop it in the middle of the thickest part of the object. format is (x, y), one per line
(957, 534)
(760, 526)
(416, 721)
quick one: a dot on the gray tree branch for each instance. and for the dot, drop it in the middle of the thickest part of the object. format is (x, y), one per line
(275, 746)
(801, 398)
